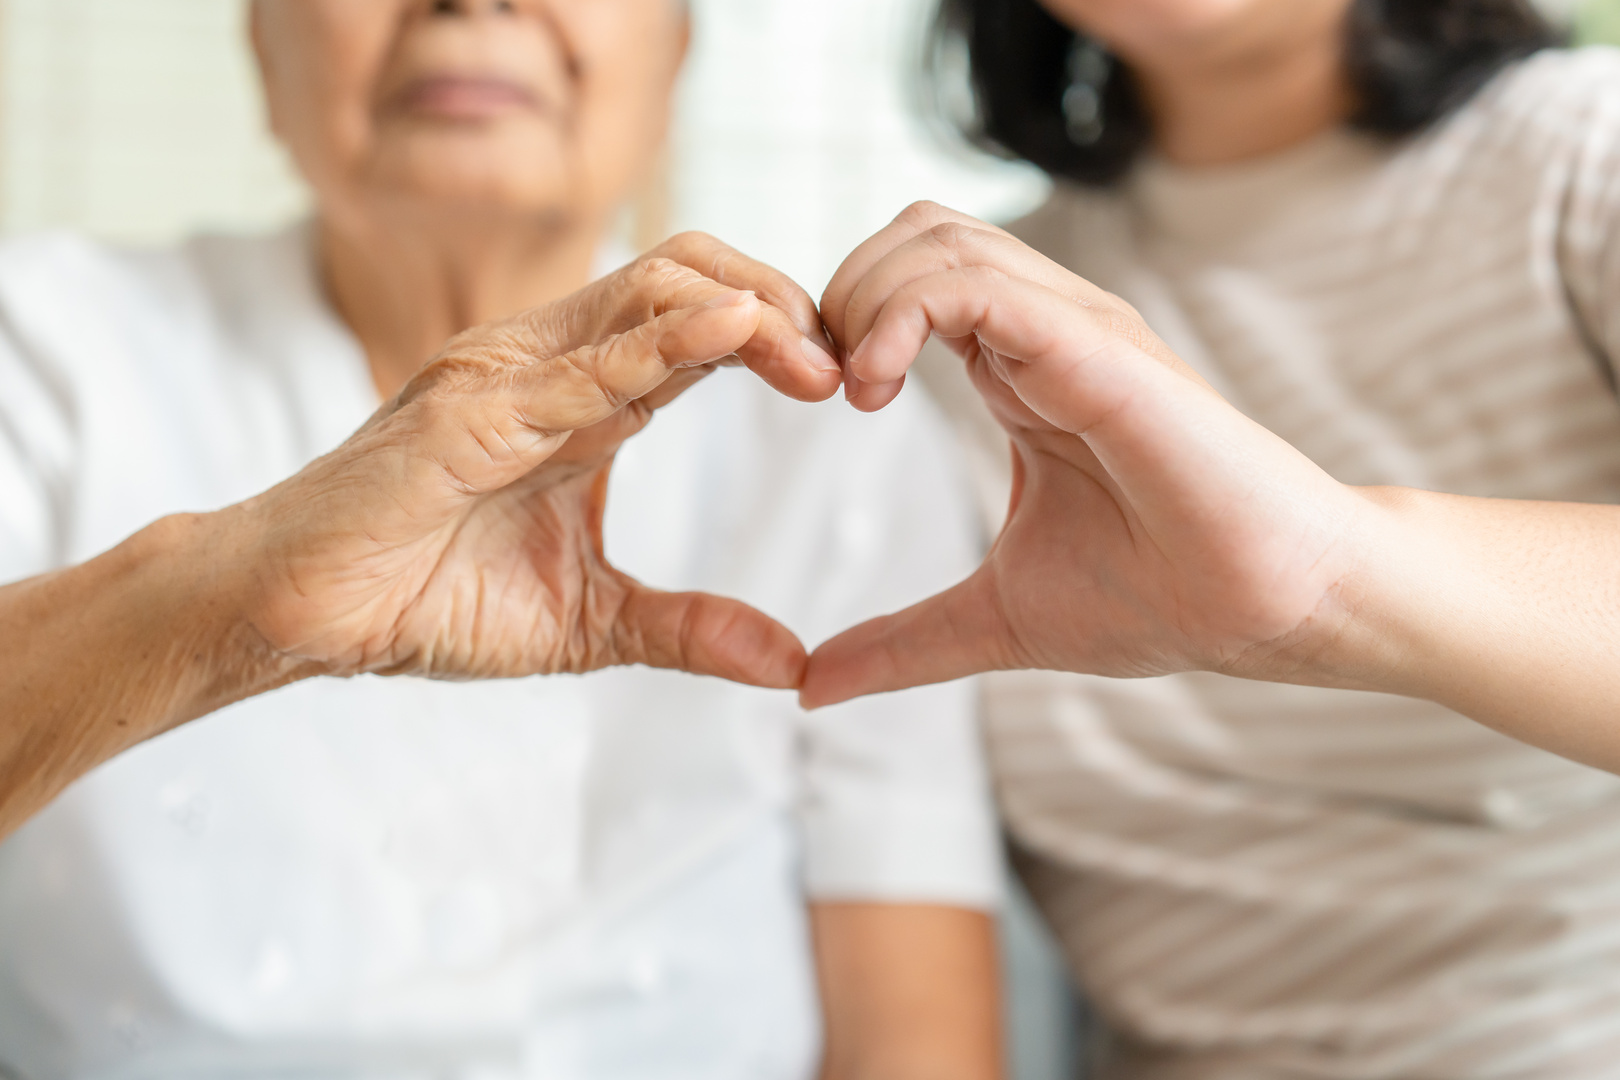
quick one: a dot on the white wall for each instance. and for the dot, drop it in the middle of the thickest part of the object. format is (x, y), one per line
(140, 120)
(796, 138)
(134, 119)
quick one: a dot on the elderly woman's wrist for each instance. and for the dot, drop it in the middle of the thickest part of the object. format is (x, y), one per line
(196, 584)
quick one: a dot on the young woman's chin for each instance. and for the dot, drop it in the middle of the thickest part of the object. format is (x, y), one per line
(1145, 23)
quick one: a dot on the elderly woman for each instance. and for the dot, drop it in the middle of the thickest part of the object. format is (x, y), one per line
(598, 876)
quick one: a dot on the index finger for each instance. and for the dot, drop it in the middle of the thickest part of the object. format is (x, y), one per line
(791, 350)
(654, 286)
(912, 222)
(928, 240)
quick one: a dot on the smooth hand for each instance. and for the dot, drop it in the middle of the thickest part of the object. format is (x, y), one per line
(1152, 529)
(458, 535)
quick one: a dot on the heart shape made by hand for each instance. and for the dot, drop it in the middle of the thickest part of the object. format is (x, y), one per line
(1152, 528)
(458, 534)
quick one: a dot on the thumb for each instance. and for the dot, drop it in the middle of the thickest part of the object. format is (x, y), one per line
(707, 635)
(949, 636)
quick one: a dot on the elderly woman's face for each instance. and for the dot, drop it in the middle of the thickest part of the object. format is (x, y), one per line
(539, 107)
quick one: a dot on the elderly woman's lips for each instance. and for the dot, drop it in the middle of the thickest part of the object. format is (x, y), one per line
(456, 97)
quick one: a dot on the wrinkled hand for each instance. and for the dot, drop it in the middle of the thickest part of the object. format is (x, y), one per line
(458, 534)
(1152, 527)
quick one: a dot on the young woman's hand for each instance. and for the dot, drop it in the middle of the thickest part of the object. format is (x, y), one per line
(1153, 528)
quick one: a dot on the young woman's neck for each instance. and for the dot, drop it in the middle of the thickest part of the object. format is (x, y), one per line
(1258, 91)
(404, 289)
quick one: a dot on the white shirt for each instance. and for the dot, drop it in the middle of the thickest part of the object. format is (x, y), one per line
(1263, 881)
(552, 877)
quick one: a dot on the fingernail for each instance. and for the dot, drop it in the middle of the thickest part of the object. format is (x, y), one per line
(731, 299)
(819, 358)
(852, 385)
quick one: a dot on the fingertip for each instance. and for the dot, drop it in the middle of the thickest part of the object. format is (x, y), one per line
(814, 695)
(837, 670)
(819, 358)
(747, 646)
(871, 397)
(777, 665)
(832, 312)
(790, 361)
(791, 376)
(711, 331)
(733, 298)
(790, 674)
(875, 362)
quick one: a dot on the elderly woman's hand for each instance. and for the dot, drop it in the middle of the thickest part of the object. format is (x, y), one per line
(457, 535)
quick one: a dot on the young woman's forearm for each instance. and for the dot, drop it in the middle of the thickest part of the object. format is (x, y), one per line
(104, 655)
(1506, 611)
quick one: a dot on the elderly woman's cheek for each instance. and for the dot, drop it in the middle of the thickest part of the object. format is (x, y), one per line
(630, 49)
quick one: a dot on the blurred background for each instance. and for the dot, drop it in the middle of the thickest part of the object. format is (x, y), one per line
(140, 121)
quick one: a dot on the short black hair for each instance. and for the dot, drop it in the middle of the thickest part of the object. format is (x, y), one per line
(1409, 63)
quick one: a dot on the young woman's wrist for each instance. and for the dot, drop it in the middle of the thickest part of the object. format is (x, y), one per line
(1391, 619)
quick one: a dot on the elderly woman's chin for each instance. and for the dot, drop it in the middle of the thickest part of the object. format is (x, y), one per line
(480, 168)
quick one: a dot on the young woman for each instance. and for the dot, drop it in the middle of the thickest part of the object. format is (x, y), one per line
(1389, 233)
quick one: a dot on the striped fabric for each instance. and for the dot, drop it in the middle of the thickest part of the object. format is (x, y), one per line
(1260, 881)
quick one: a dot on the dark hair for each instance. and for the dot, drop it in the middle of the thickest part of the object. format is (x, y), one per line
(1409, 63)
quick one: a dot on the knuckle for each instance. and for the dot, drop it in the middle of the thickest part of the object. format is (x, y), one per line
(986, 276)
(662, 276)
(656, 280)
(691, 249)
(544, 327)
(445, 378)
(923, 214)
(658, 268)
(589, 365)
(1127, 324)
(724, 261)
(1124, 307)
(1115, 321)
(949, 239)
(691, 240)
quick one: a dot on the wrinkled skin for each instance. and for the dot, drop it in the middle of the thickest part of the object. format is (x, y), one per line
(459, 533)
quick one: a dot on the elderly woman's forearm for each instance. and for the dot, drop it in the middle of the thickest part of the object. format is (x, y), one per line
(107, 654)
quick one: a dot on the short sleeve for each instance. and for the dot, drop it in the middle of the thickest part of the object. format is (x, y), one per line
(1588, 228)
(36, 453)
(895, 802)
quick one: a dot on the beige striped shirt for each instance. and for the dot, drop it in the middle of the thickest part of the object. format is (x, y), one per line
(1260, 881)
